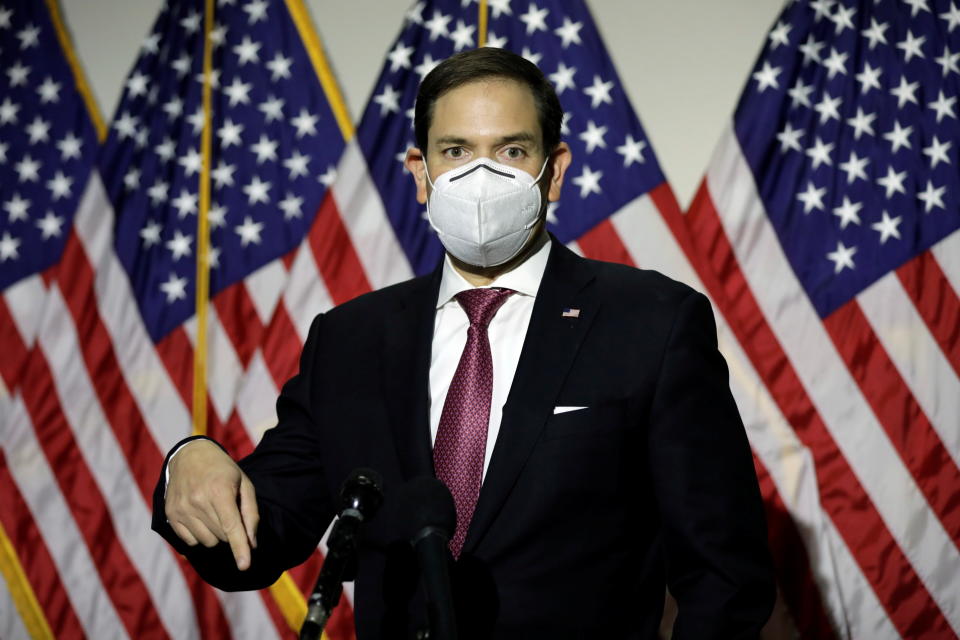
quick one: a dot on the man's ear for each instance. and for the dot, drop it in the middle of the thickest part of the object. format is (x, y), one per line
(417, 167)
(559, 161)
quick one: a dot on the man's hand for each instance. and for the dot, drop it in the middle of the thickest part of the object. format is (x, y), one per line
(209, 499)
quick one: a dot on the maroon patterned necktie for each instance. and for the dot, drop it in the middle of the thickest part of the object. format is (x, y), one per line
(461, 441)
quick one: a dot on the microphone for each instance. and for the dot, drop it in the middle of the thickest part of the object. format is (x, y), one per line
(360, 497)
(432, 520)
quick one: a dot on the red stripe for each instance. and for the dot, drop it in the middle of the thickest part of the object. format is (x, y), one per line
(76, 281)
(910, 432)
(35, 559)
(240, 320)
(902, 593)
(936, 302)
(281, 347)
(14, 350)
(604, 243)
(117, 573)
(337, 260)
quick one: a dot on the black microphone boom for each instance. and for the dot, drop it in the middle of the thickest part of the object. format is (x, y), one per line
(360, 497)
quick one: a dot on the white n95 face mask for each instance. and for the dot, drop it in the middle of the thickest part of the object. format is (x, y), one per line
(484, 212)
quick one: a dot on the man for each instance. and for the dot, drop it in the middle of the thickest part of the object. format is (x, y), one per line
(579, 411)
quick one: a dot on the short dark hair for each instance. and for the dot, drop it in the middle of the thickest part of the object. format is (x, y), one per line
(485, 63)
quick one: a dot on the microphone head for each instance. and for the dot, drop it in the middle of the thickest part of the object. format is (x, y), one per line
(425, 503)
(363, 491)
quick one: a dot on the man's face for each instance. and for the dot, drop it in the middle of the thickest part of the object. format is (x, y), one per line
(491, 118)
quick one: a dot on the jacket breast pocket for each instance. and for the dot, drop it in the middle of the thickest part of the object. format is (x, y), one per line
(604, 419)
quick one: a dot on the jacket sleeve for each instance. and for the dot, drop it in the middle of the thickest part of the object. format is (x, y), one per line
(287, 473)
(714, 533)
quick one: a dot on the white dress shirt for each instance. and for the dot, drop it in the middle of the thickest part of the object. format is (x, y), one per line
(506, 332)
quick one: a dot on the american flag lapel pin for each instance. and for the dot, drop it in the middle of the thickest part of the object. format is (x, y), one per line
(571, 313)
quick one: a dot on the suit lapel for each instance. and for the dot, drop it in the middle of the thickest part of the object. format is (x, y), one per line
(408, 336)
(548, 352)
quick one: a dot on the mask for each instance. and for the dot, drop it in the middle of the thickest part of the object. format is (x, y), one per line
(484, 212)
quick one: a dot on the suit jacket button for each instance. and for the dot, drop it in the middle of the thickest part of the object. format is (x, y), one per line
(422, 634)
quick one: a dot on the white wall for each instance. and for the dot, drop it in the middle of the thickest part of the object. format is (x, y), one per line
(684, 62)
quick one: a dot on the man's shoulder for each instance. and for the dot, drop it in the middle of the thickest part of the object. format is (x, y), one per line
(634, 285)
(379, 301)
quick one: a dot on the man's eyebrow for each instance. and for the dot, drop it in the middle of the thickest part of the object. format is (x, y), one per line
(523, 136)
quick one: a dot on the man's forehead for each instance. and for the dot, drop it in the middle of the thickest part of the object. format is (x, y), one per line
(489, 107)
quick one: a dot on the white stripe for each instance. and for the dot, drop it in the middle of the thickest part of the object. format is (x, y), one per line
(38, 487)
(836, 396)
(947, 253)
(907, 340)
(265, 286)
(243, 611)
(224, 369)
(11, 626)
(651, 244)
(306, 295)
(257, 398)
(148, 553)
(25, 300)
(365, 219)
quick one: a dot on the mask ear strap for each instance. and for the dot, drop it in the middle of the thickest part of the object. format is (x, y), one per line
(542, 170)
(426, 171)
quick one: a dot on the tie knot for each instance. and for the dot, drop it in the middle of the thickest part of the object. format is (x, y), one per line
(481, 305)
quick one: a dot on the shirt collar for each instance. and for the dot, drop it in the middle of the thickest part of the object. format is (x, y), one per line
(524, 278)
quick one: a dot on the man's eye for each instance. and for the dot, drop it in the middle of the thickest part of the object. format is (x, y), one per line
(514, 153)
(454, 153)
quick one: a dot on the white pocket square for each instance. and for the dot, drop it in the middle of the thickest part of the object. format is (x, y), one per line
(561, 409)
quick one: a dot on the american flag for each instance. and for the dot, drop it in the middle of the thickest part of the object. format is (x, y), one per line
(108, 386)
(826, 232)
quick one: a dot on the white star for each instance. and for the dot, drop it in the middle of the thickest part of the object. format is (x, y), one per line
(855, 167)
(932, 197)
(257, 191)
(862, 123)
(779, 35)
(588, 181)
(843, 19)
(916, 6)
(811, 49)
(49, 91)
(329, 177)
(59, 186)
(599, 92)
(9, 247)
(631, 150)
(937, 151)
(191, 23)
(800, 94)
(223, 174)
(165, 150)
(272, 109)
(400, 56)
(132, 179)
(415, 13)
(265, 148)
(437, 25)
(141, 137)
(191, 162)
(562, 78)
(158, 192)
(593, 136)
(876, 32)
(18, 74)
(197, 120)
(38, 130)
(217, 216)
(388, 100)
(496, 42)
(790, 138)
(531, 56)
(296, 164)
(948, 61)
(899, 137)
(29, 36)
(869, 78)
(249, 231)
(238, 92)
(952, 17)
(16, 208)
(218, 34)
(257, 10)
(151, 44)
(888, 227)
(185, 204)
(173, 108)
(848, 212)
(151, 233)
(175, 288)
(767, 77)
(69, 146)
(462, 37)
(229, 133)
(905, 92)
(911, 46)
(821, 8)
(28, 169)
(812, 198)
(291, 206)
(305, 123)
(552, 212)
(842, 257)
(279, 67)
(4, 147)
(893, 182)
(569, 33)
(499, 6)
(179, 246)
(181, 65)
(535, 19)
(247, 51)
(8, 112)
(820, 153)
(50, 225)
(836, 63)
(5, 15)
(213, 257)
(137, 85)
(943, 106)
(828, 108)
(426, 65)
